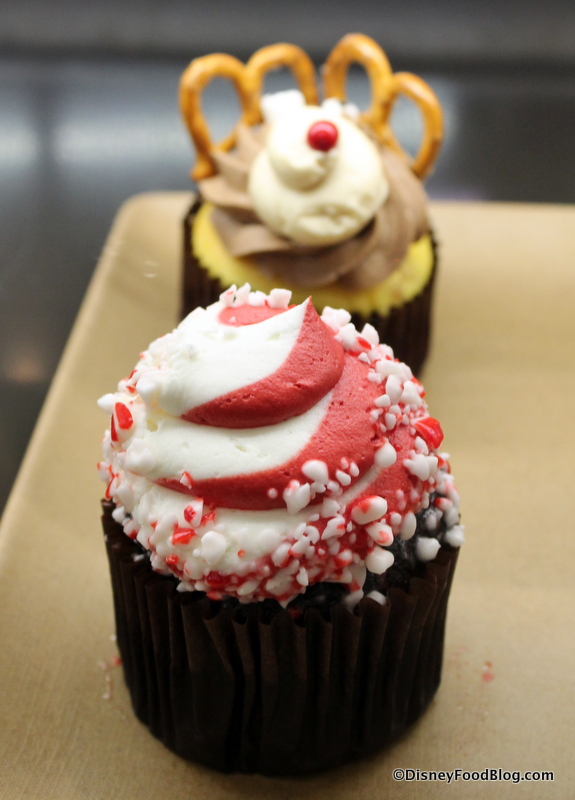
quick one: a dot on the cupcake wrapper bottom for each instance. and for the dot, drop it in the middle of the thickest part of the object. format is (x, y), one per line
(406, 328)
(229, 689)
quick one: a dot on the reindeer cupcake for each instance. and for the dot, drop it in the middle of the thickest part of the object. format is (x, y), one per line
(317, 197)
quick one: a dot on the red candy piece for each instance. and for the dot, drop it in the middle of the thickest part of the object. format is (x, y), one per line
(322, 136)
(186, 480)
(125, 420)
(189, 514)
(216, 580)
(430, 429)
(209, 517)
(182, 535)
(172, 560)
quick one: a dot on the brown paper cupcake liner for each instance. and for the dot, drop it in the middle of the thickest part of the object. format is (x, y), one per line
(237, 691)
(406, 329)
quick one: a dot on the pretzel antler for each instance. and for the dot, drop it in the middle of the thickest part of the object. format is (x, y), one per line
(355, 47)
(248, 81)
(385, 89)
(273, 57)
(426, 100)
(192, 83)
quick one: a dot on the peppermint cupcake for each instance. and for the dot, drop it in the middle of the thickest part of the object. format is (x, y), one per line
(282, 529)
(315, 196)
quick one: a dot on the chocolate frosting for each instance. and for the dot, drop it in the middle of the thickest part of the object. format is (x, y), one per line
(359, 263)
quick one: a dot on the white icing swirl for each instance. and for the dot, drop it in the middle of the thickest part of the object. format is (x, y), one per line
(310, 196)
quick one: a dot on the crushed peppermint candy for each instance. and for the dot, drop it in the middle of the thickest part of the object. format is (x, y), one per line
(318, 495)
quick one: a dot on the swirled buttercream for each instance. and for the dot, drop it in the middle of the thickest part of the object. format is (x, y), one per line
(316, 196)
(258, 449)
(310, 216)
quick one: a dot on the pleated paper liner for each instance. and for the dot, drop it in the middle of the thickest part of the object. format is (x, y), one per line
(406, 329)
(239, 692)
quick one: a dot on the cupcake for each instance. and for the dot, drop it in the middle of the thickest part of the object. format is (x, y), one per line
(316, 197)
(282, 529)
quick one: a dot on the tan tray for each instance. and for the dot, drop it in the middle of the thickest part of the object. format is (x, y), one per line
(501, 379)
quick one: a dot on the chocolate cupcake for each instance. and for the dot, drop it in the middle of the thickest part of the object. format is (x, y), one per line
(282, 531)
(316, 198)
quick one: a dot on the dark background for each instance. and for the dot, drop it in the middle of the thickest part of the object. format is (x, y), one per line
(88, 117)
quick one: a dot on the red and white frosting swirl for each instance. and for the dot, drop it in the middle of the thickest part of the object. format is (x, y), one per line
(259, 448)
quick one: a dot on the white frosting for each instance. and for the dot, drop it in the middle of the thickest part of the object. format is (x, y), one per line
(310, 196)
(224, 451)
(202, 359)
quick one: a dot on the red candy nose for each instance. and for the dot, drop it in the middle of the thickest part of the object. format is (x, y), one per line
(322, 136)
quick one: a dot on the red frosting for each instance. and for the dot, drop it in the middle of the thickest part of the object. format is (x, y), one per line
(346, 432)
(248, 315)
(312, 369)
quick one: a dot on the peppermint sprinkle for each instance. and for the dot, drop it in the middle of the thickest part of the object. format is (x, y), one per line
(212, 547)
(426, 549)
(279, 298)
(368, 332)
(421, 445)
(388, 367)
(408, 526)
(242, 295)
(302, 577)
(378, 597)
(393, 388)
(343, 477)
(334, 528)
(369, 509)
(227, 297)
(390, 421)
(421, 466)
(385, 456)
(106, 403)
(380, 533)
(455, 536)
(296, 496)
(410, 395)
(316, 471)
(186, 480)
(329, 507)
(378, 561)
(382, 401)
(257, 299)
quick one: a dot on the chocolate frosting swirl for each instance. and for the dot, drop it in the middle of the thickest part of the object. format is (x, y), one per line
(360, 262)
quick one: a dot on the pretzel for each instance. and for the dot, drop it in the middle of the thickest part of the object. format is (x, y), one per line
(355, 47)
(192, 83)
(426, 100)
(385, 89)
(248, 81)
(273, 57)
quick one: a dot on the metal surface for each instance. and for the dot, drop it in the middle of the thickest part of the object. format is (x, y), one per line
(78, 136)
